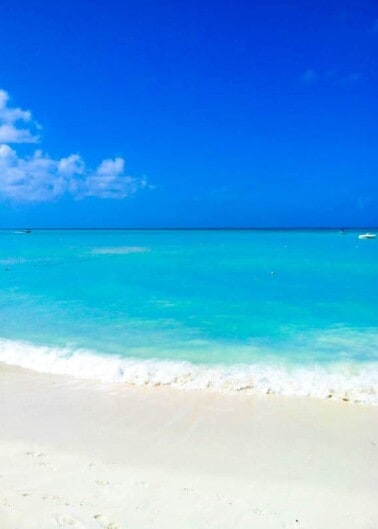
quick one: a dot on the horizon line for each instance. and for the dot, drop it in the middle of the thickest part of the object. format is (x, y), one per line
(194, 228)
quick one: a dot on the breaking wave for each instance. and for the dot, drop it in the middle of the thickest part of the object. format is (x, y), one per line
(348, 381)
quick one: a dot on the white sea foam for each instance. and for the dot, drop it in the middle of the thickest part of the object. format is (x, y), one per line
(347, 381)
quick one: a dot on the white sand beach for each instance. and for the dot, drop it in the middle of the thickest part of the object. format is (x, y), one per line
(77, 454)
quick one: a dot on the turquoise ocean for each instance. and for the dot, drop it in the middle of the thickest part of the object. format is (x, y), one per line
(262, 311)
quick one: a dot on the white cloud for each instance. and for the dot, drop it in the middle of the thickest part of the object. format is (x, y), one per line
(39, 177)
(10, 120)
(10, 134)
(107, 181)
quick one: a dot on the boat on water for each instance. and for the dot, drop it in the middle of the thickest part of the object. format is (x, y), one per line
(367, 236)
(27, 230)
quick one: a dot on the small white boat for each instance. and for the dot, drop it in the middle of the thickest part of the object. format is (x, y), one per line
(367, 236)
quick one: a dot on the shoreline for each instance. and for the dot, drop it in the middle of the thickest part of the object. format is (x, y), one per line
(346, 381)
(75, 453)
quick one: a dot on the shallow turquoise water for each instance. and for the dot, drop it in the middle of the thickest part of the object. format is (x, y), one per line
(292, 298)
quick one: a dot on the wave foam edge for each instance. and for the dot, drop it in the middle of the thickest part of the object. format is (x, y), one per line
(339, 381)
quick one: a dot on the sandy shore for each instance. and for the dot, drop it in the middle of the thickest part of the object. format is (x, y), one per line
(75, 454)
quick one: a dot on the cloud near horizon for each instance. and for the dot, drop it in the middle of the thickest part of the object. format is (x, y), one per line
(40, 178)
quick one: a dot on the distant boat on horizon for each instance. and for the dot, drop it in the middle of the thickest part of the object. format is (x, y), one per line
(367, 236)
(27, 230)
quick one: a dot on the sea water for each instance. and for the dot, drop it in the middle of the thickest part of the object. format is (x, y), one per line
(291, 312)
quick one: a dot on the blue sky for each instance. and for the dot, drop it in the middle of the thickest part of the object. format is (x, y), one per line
(150, 113)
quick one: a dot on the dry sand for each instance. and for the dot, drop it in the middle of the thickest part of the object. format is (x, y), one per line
(75, 454)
